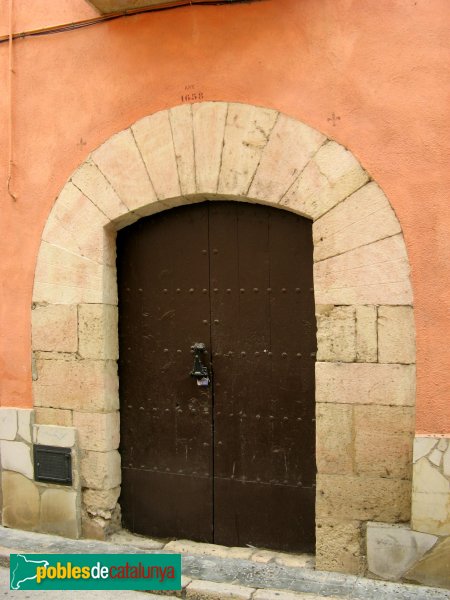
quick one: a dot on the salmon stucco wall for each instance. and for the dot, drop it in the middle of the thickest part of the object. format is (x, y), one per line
(371, 75)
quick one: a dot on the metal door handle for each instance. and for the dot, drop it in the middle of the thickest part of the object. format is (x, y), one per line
(199, 370)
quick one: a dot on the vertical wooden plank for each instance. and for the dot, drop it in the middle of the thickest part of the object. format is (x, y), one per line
(166, 420)
(264, 465)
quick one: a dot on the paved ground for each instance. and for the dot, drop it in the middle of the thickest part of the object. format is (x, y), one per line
(211, 572)
(5, 592)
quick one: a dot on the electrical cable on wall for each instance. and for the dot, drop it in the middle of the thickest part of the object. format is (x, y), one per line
(10, 78)
(119, 15)
(71, 27)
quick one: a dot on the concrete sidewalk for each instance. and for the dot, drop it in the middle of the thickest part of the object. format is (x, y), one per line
(212, 574)
(6, 593)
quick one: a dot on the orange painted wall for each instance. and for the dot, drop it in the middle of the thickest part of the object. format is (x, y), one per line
(382, 67)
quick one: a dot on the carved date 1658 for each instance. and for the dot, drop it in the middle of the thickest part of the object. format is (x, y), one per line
(191, 94)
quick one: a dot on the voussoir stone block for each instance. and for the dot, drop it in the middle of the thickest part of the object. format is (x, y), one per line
(363, 218)
(290, 147)
(90, 180)
(66, 278)
(121, 163)
(77, 384)
(76, 224)
(334, 438)
(396, 334)
(97, 331)
(209, 126)
(60, 514)
(97, 431)
(54, 328)
(365, 383)
(183, 141)
(363, 498)
(16, 456)
(338, 545)
(153, 137)
(21, 501)
(393, 549)
(246, 133)
(100, 470)
(332, 175)
(373, 274)
(336, 333)
(8, 423)
(384, 440)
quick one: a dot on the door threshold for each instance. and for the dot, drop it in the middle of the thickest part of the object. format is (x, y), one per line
(187, 547)
(212, 572)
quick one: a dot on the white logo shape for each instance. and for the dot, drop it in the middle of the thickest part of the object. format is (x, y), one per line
(15, 585)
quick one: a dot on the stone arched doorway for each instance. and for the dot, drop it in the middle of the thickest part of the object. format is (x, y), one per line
(365, 378)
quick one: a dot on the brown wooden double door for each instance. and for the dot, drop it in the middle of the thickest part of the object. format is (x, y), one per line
(233, 462)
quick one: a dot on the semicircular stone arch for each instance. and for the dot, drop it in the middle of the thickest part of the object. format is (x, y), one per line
(365, 373)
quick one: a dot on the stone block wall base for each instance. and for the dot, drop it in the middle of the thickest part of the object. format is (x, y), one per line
(21, 501)
(397, 553)
(41, 507)
(28, 504)
(431, 485)
(434, 568)
(99, 528)
(420, 553)
(340, 547)
(93, 528)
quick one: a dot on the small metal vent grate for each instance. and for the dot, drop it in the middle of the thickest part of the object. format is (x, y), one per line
(52, 464)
